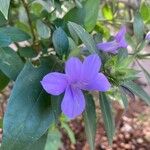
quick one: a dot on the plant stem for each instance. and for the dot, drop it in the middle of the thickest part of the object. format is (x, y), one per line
(35, 39)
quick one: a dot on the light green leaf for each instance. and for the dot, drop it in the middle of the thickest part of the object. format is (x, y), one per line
(43, 30)
(138, 26)
(29, 112)
(60, 41)
(15, 34)
(137, 90)
(69, 132)
(84, 36)
(145, 11)
(53, 141)
(10, 63)
(91, 11)
(90, 121)
(4, 80)
(107, 12)
(107, 116)
(4, 7)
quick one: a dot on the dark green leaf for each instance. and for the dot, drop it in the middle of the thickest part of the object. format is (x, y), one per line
(4, 80)
(39, 144)
(90, 121)
(4, 40)
(107, 116)
(3, 21)
(60, 41)
(29, 112)
(10, 63)
(15, 34)
(43, 30)
(137, 90)
(56, 103)
(124, 98)
(27, 52)
(84, 36)
(138, 27)
(4, 7)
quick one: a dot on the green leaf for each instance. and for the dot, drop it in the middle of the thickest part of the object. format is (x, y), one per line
(43, 30)
(84, 36)
(137, 90)
(145, 11)
(56, 106)
(146, 73)
(39, 144)
(107, 12)
(107, 116)
(138, 26)
(15, 34)
(4, 7)
(29, 112)
(4, 80)
(60, 41)
(4, 40)
(88, 17)
(90, 121)
(91, 11)
(27, 52)
(124, 98)
(10, 63)
(3, 21)
(69, 132)
(53, 141)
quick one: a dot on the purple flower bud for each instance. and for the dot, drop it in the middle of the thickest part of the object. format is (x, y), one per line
(78, 76)
(118, 42)
(148, 36)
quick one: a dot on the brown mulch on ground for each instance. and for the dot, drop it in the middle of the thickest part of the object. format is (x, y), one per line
(133, 132)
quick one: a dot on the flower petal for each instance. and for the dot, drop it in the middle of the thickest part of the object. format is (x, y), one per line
(121, 34)
(111, 46)
(100, 83)
(91, 67)
(73, 69)
(54, 83)
(73, 103)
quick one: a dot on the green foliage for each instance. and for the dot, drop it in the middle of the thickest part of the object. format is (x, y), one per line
(45, 34)
(10, 63)
(137, 90)
(60, 41)
(138, 27)
(4, 7)
(107, 116)
(90, 121)
(84, 36)
(36, 111)
(4, 80)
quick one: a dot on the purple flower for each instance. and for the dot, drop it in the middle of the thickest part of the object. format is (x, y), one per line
(148, 36)
(118, 42)
(78, 76)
